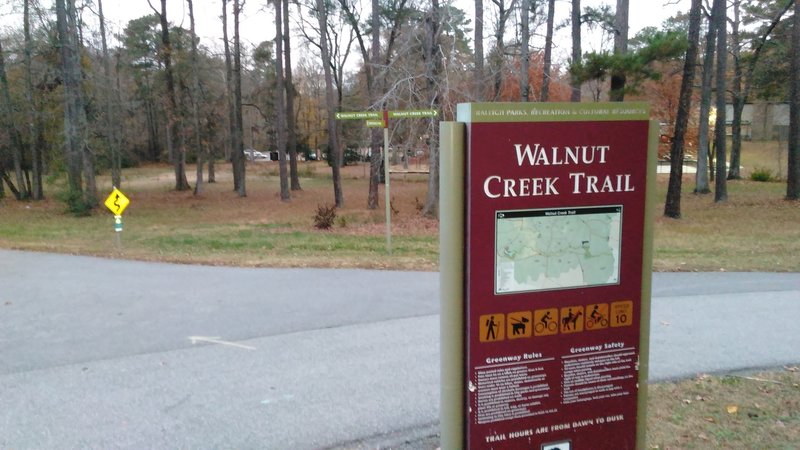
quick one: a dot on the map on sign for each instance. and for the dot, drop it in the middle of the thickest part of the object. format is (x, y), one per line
(545, 249)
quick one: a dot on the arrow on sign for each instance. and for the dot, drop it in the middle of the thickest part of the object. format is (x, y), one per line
(216, 340)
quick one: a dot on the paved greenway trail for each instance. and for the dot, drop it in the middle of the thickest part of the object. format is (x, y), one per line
(105, 354)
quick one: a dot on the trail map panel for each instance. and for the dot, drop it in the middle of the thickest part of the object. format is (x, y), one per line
(562, 248)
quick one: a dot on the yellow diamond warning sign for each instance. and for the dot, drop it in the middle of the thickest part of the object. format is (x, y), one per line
(117, 202)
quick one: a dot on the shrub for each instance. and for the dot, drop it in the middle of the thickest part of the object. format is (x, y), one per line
(76, 203)
(325, 217)
(761, 174)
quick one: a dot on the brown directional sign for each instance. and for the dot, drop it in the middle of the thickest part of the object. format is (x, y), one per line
(557, 274)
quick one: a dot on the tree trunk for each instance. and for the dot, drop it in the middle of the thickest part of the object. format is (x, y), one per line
(500, 48)
(330, 103)
(237, 139)
(233, 146)
(721, 187)
(290, 100)
(793, 173)
(10, 129)
(548, 51)
(672, 207)
(617, 93)
(79, 201)
(433, 68)
(34, 117)
(737, 96)
(376, 141)
(701, 177)
(173, 115)
(524, 84)
(109, 122)
(576, 49)
(280, 105)
(479, 71)
(195, 89)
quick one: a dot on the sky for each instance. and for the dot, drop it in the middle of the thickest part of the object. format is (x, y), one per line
(257, 23)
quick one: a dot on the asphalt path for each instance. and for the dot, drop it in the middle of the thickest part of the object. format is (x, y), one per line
(99, 353)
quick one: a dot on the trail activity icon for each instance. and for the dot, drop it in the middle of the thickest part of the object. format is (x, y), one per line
(519, 325)
(597, 316)
(492, 327)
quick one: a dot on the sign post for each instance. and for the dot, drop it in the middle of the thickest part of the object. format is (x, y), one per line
(556, 280)
(116, 202)
(376, 119)
(387, 181)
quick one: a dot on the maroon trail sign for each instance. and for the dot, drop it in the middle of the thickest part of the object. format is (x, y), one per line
(557, 274)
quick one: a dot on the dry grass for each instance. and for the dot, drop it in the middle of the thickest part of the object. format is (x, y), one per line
(748, 411)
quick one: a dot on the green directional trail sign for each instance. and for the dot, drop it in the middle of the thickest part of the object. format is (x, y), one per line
(380, 119)
(413, 113)
(358, 115)
(374, 115)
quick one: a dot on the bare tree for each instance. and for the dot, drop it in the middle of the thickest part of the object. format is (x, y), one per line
(793, 174)
(617, 92)
(178, 149)
(702, 175)
(374, 97)
(548, 51)
(497, 57)
(432, 54)
(719, 15)
(237, 139)
(35, 125)
(525, 53)
(330, 102)
(672, 207)
(80, 169)
(479, 71)
(743, 77)
(576, 49)
(195, 92)
(280, 102)
(290, 101)
(9, 128)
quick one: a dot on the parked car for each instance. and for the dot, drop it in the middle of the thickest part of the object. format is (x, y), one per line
(255, 155)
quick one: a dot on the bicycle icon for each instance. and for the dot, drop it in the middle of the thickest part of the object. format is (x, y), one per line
(546, 323)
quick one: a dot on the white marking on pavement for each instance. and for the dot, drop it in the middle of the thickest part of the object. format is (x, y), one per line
(217, 340)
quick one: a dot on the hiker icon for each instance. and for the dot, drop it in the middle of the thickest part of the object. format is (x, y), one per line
(491, 326)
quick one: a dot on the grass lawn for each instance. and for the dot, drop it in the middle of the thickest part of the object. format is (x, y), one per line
(755, 230)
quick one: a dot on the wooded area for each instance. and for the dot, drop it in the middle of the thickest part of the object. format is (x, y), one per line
(76, 101)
